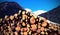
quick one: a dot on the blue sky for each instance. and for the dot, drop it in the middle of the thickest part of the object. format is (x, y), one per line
(35, 5)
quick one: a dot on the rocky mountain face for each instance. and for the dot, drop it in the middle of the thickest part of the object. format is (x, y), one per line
(9, 8)
(52, 15)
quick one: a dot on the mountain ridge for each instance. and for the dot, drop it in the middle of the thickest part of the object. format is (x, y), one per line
(9, 8)
(52, 15)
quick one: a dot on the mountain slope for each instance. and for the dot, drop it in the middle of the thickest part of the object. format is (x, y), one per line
(52, 15)
(9, 8)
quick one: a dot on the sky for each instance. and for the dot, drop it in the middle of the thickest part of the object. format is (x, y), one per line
(37, 5)
(40, 4)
